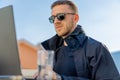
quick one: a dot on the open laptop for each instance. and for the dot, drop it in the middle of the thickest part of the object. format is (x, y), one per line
(9, 57)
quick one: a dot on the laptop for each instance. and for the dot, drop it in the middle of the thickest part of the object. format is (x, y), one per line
(9, 56)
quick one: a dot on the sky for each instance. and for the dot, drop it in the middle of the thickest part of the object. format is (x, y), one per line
(100, 20)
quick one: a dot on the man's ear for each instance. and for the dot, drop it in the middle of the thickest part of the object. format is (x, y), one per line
(76, 18)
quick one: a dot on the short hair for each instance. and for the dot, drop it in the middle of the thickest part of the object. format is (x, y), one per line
(72, 5)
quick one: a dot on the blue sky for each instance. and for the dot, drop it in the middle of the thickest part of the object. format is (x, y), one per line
(100, 20)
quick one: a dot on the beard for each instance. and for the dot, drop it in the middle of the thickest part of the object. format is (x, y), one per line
(65, 30)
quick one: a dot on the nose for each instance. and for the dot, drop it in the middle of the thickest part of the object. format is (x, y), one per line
(56, 20)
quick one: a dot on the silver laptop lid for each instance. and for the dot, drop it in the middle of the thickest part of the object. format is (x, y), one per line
(9, 57)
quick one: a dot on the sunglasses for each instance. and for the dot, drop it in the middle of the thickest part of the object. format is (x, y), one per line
(60, 17)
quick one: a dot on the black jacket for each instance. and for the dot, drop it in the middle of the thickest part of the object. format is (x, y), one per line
(92, 59)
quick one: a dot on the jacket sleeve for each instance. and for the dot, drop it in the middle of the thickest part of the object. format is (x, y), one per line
(103, 66)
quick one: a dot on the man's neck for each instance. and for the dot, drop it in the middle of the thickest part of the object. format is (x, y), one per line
(65, 44)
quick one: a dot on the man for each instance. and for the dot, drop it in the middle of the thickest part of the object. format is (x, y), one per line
(77, 56)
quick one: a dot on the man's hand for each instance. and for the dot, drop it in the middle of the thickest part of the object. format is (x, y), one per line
(47, 73)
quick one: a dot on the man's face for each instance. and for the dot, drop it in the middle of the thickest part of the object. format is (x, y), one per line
(63, 27)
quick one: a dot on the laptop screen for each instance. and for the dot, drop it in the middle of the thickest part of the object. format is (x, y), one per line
(9, 57)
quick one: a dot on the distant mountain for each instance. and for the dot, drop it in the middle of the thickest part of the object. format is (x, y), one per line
(116, 57)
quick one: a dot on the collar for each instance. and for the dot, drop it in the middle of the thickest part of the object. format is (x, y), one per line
(76, 38)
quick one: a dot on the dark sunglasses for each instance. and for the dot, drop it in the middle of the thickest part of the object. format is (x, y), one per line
(60, 16)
